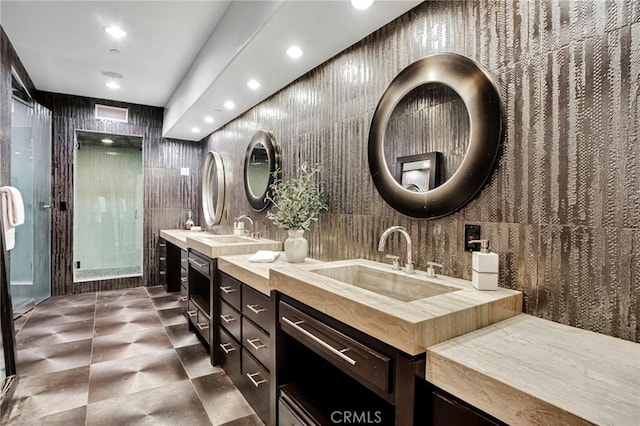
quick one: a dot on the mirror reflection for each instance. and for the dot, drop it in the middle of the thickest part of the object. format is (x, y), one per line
(258, 170)
(212, 188)
(427, 137)
(261, 160)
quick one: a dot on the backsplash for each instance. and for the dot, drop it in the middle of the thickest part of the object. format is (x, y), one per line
(563, 207)
(167, 194)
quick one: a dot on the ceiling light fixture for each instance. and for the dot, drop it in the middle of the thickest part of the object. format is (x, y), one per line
(294, 52)
(361, 4)
(112, 85)
(208, 119)
(115, 31)
(253, 84)
(107, 141)
(229, 105)
(195, 130)
(111, 74)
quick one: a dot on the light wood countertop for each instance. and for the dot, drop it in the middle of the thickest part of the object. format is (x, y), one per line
(410, 326)
(178, 237)
(530, 371)
(255, 275)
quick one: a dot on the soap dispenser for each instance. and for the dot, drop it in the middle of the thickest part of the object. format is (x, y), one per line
(189, 222)
(484, 267)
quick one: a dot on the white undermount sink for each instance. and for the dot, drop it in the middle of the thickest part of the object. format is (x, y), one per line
(398, 285)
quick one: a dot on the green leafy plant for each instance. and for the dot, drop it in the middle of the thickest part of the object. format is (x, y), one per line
(296, 202)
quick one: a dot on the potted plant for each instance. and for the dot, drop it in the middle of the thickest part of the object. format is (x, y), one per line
(296, 204)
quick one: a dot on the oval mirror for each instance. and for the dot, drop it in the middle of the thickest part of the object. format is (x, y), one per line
(212, 188)
(435, 136)
(261, 160)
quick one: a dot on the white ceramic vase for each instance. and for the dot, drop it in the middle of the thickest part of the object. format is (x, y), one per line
(296, 246)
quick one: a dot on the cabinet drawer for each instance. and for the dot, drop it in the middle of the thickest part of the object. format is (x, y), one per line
(231, 320)
(230, 290)
(183, 293)
(256, 342)
(184, 277)
(200, 263)
(231, 356)
(257, 307)
(353, 357)
(203, 324)
(255, 386)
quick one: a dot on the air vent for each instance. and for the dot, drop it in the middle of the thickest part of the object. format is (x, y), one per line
(104, 112)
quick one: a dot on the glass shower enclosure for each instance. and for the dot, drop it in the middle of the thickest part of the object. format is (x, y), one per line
(108, 206)
(30, 271)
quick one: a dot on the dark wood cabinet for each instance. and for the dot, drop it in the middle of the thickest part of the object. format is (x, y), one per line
(201, 300)
(328, 372)
(244, 324)
(447, 410)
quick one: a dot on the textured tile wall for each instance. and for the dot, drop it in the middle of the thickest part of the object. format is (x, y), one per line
(562, 208)
(167, 194)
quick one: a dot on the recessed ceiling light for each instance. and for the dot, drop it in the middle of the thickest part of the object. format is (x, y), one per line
(111, 74)
(295, 52)
(112, 85)
(107, 141)
(195, 130)
(208, 119)
(229, 105)
(115, 31)
(361, 4)
(253, 84)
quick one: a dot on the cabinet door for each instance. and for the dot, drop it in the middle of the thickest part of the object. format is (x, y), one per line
(447, 411)
(257, 307)
(256, 342)
(231, 320)
(231, 357)
(255, 386)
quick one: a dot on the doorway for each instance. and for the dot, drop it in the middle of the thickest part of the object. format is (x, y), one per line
(108, 206)
(30, 274)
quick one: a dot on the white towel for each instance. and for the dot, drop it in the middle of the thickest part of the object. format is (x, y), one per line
(264, 256)
(15, 206)
(12, 214)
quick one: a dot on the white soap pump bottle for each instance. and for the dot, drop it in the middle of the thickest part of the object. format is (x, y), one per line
(484, 267)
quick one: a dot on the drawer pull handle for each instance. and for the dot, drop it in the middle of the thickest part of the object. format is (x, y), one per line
(191, 313)
(228, 289)
(227, 347)
(198, 264)
(202, 327)
(227, 318)
(256, 383)
(163, 245)
(183, 298)
(319, 341)
(256, 309)
(163, 258)
(183, 279)
(257, 347)
(163, 272)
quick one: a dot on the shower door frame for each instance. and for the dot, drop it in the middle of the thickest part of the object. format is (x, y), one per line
(80, 282)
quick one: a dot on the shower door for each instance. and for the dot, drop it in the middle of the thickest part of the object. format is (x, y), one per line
(108, 206)
(31, 174)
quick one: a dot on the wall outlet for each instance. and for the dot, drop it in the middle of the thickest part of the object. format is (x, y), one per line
(471, 232)
(184, 171)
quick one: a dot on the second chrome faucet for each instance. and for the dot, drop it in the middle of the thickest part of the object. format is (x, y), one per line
(383, 240)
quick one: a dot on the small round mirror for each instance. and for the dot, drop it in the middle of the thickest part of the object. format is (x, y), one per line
(212, 188)
(261, 160)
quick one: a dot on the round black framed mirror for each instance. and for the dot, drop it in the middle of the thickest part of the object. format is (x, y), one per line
(418, 186)
(212, 188)
(261, 160)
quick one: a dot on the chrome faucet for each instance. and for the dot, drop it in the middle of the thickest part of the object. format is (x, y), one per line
(248, 219)
(383, 240)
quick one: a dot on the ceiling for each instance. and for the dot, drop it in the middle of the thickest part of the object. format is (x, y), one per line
(186, 56)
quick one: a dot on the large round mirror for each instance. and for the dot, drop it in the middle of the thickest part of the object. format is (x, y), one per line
(435, 136)
(212, 188)
(261, 160)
